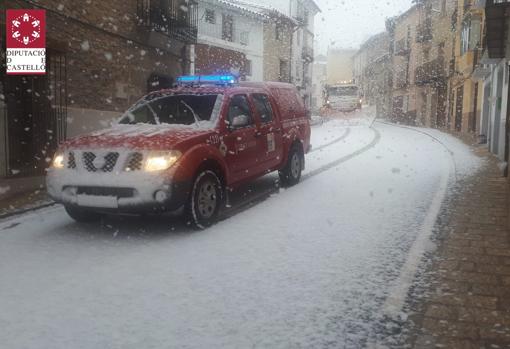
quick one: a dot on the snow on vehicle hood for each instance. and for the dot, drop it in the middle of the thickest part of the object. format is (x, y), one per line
(140, 136)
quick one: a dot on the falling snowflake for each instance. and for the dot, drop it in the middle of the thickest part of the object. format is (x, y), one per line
(85, 46)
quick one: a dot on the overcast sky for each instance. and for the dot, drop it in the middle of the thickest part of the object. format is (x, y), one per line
(348, 23)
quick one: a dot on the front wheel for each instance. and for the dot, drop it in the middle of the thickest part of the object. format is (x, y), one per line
(205, 200)
(291, 173)
(82, 215)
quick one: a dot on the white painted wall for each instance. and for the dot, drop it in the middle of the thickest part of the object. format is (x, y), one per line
(3, 150)
(497, 120)
(211, 34)
(504, 106)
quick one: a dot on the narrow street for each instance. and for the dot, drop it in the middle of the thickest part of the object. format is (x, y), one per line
(316, 265)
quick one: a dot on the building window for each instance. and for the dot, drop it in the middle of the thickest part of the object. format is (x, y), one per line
(210, 16)
(405, 104)
(279, 32)
(459, 108)
(239, 106)
(470, 35)
(284, 70)
(247, 67)
(464, 43)
(228, 28)
(263, 107)
(161, 15)
(443, 7)
(426, 55)
(245, 38)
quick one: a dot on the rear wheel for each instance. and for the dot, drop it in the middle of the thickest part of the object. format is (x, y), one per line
(205, 200)
(82, 215)
(291, 173)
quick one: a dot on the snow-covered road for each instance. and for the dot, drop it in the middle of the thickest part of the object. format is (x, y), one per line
(310, 266)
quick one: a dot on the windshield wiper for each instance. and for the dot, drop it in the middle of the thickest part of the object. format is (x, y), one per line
(154, 114)
(195, 116)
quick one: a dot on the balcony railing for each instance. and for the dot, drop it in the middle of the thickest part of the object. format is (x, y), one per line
(424, 32)
(478, 4)
(401, 80)
(308, 54)
(496, 14)
(451, 67)
(177, 19)
(401, 47)
(430, 72)
(480, 70)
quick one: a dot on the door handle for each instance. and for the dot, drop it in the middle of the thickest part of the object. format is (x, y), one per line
(258, 134)
(278, 130)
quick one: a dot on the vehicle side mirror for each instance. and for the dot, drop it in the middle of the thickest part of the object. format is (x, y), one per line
(240, 121)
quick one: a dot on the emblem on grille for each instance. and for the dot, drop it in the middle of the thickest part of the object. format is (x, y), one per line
(99, 162)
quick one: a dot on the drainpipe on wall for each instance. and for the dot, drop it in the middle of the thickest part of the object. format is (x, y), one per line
(4, 136)
(507, 127)
(192, 59)
(3, 139)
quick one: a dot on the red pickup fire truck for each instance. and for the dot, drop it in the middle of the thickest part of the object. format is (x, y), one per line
(183, 147)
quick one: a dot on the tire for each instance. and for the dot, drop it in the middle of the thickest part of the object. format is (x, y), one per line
(205, 200)
(291, 174)
(82, 215)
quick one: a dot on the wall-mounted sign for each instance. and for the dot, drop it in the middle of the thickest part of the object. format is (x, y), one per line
(26, 42)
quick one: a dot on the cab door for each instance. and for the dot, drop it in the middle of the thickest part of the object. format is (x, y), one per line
(241, 138)
(269, 137)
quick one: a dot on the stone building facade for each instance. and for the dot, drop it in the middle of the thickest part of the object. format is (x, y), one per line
(465, 91)
(434, 35)
(278, 32)
(372, 72)
(405, 56)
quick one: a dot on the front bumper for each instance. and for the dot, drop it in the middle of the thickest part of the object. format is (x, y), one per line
(346, 107)
(132, 192)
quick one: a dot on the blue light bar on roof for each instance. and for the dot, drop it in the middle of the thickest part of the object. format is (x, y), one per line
(207, 79)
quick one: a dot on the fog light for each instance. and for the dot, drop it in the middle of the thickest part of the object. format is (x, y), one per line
(161, 196)
(71, 191)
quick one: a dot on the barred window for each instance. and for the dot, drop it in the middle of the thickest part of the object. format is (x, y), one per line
(210, 16)
(245, 38)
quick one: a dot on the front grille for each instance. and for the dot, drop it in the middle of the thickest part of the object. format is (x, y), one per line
(71, 161)
(134, 162)
(107, 191)
(88, 158)
(111, 160)
(93, 163)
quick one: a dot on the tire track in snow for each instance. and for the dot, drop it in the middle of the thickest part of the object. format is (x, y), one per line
(452, 154)
(262, 196)
(336, 140)
(373, 143)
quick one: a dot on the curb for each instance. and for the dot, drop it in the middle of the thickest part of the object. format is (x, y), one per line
(25, 210)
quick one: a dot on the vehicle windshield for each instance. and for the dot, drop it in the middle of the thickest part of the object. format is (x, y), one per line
(179, 109)
(343, 91)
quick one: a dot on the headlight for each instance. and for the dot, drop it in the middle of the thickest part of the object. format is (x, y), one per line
(58, 160)
(159, 161)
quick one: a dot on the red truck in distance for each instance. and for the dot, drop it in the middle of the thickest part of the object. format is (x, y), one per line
(184, 147)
